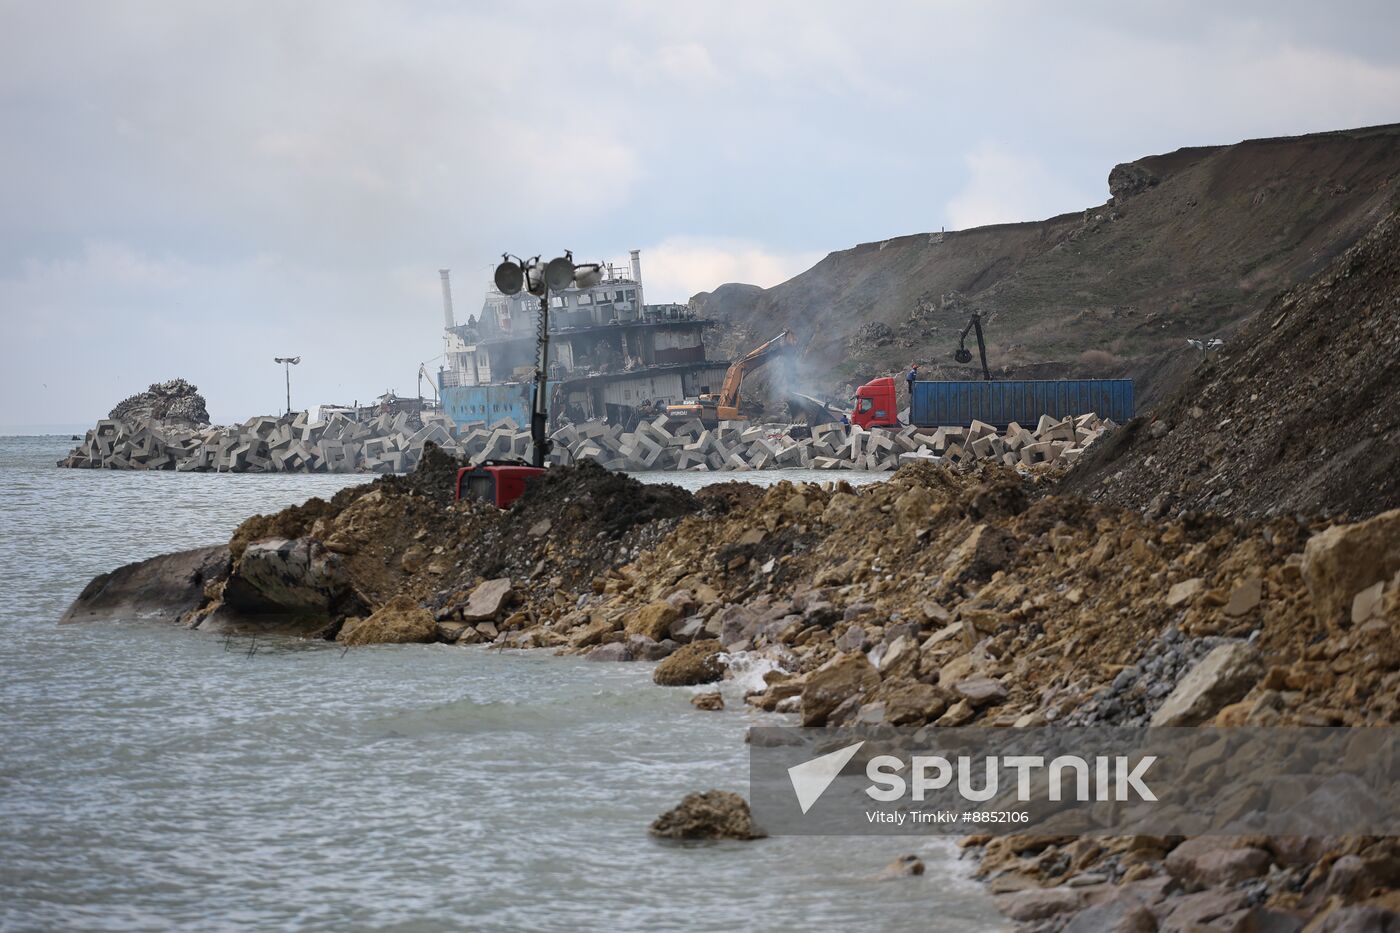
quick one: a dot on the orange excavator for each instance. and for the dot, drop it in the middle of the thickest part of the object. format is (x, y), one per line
(712, 409)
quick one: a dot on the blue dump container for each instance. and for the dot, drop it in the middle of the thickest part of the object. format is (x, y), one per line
(945, 404)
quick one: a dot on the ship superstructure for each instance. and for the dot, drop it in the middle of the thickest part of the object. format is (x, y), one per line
(611, 354)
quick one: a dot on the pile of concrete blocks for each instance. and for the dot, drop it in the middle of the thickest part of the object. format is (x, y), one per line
(287, 444)
(394, 444)
(738, 445)
(1053, 440)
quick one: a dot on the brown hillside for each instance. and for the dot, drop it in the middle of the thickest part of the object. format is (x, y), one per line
(1300, 413)
(1192, 244)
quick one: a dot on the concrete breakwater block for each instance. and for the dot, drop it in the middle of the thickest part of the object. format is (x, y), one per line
(394, 444)
(739, 446)
(286, 444)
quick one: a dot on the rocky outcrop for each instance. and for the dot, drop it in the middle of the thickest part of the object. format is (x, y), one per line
(176, 402)
(282, 575)
(1130, 178)
(713, 814)
(163, 589)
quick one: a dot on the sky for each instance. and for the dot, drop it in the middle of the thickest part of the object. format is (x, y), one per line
(190, 188)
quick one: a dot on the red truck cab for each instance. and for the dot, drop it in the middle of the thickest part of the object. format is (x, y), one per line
(875, 405)
(497, 483)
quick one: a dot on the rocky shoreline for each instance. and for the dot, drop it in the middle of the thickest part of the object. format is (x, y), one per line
(972, 596)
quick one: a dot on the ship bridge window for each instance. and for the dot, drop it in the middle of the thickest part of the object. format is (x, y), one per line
(585, 298)
(558, 302)
(631, 294)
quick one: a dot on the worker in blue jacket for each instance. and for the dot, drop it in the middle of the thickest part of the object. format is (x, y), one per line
(911, 377)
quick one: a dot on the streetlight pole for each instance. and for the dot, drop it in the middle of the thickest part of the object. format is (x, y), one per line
(287, 363)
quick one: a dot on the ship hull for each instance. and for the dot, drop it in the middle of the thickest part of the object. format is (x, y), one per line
(488, 404)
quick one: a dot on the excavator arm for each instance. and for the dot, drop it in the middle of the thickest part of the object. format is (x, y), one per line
(712, 409)
(734, 378)
(964, 355)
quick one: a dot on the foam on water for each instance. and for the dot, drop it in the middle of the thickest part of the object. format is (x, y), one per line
(745, 670)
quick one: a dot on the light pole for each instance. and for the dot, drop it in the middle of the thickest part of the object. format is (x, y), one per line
(287, 363)
(539, 278)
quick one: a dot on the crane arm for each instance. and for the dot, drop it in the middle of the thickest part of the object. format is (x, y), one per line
(734, 378)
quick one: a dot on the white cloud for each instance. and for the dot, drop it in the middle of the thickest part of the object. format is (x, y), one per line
(1008, 187)
(688, 64)
(679, 267)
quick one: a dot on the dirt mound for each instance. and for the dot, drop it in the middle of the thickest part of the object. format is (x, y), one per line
(1193, 243)
(587, 500)
(406, 536)
(173, 402)
(1298, 413)
(722, 497)
(434, 477)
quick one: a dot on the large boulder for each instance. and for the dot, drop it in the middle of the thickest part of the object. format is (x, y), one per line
(487, 600)
(844, 676)
(653, 620)
(1219, 679)
(1129, 178)
(162, 589)
(1345, 559)
(286, 575)
(695, 663)
(400, 621)
(714, 814)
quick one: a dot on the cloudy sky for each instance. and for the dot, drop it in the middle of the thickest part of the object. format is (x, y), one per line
(190, 188)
